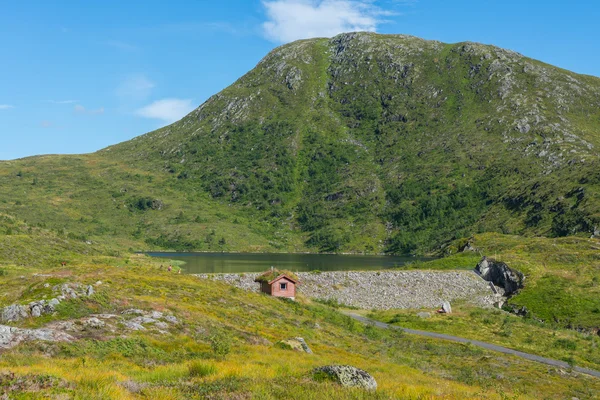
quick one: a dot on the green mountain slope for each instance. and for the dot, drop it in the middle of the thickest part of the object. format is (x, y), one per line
(363, 142)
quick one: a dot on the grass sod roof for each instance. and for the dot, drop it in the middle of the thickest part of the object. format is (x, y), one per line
(273, 274)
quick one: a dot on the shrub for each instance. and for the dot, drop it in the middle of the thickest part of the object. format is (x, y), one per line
(565, 344)
(220, 343)
(201, 369)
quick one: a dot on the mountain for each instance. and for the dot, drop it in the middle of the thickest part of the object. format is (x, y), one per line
(362, 143)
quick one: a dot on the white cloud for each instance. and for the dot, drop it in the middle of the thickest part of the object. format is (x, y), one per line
(135, 88)
(82, 110)
(6, 106)
(290, 20)
(168, 110)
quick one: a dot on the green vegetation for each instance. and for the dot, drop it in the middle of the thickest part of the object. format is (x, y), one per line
(362, 143)
(274, 273)
(562, 284)
(218, 328)
(499, 327)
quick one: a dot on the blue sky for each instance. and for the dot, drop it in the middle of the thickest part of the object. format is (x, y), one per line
(78, 76)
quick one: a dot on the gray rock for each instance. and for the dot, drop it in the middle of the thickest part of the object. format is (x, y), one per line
(89, 291)
(171, 318)
(36, 310)
(500, 275)
(446, 307)
(304, 345)
(14, 313)
(93, 323)
(347, 376)
(156, 315)
(396, 289)
(161, 325)
(134, 326)
(467, 247)
(68, 292)
(134, 311)
(53, 302)
(144, 320)
(424, 315)
(10, 336)
(297, 344)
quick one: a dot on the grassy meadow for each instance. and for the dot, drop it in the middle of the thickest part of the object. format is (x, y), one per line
(224, 346)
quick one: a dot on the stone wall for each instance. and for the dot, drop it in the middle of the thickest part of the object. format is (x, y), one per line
(383, 289)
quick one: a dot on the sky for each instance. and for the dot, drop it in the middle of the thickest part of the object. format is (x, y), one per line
(78, 76)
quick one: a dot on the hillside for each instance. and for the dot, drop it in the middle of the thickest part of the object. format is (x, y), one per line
(145, 333)
(362, 143)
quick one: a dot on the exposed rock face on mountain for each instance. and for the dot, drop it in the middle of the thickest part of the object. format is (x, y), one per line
(500, 275)
(362, 142)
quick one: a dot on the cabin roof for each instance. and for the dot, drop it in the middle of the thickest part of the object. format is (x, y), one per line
(274, 275)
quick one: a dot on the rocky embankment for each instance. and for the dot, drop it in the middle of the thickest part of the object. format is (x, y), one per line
(383, 289)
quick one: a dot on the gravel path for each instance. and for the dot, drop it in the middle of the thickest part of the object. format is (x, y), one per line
(383, 289)
(485, 345)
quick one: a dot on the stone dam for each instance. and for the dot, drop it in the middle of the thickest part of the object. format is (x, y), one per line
(383, 289)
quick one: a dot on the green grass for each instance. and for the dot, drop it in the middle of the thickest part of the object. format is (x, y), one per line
(186, 363)
(502, 328)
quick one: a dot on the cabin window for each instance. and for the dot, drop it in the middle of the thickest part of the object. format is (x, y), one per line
(283, 286)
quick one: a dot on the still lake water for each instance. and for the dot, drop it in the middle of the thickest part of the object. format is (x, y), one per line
(207, 263)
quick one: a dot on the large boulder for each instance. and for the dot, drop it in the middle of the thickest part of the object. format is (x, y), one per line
(14, 313)
(347, 376)
(500, 275)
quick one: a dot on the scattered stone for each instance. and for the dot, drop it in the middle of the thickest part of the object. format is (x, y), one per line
(94, 323)
(500, 275)
(446, 308)
(36, 311)
(11, 336)
(467, 247)
(424, 315)
(89, 291)
(46, 285)
(133, 386)
(134, 326)
(53, 302)
(144, 320)
(297, 344)
(347, 376)
(172, 319)
(161, 325)
(14, 313)
(156, 314)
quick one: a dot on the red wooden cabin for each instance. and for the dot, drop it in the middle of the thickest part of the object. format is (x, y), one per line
(278, 283)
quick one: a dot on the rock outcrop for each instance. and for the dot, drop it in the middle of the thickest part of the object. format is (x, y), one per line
(16, 312)
(297, 344)
(11, 336)
(347, 376)
(500, 275)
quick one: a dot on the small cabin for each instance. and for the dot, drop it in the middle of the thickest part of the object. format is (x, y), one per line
(278, 283)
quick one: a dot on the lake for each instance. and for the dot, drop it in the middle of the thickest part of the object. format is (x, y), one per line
(206, 263)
